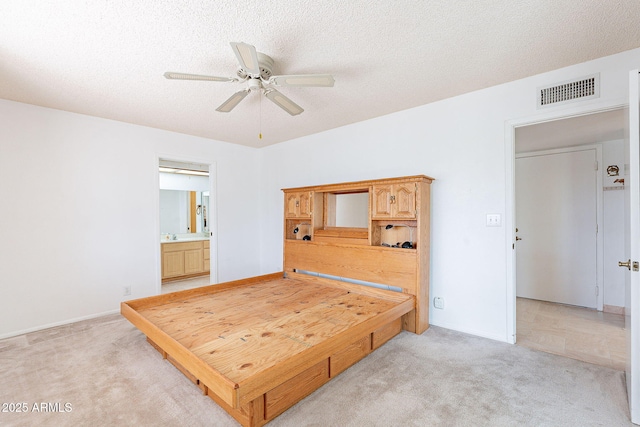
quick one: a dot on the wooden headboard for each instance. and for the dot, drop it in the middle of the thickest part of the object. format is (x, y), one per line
(371, 250)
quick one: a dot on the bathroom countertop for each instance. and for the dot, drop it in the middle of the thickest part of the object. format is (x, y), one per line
(184, 239)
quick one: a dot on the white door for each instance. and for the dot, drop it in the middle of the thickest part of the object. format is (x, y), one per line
(556, 205)
(632, 248)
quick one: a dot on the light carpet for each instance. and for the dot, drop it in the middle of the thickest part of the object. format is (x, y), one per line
(102, 372)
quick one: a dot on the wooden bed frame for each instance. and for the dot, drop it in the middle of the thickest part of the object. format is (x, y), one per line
(258, 346)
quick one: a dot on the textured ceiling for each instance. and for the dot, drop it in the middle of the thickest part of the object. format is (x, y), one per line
(106, 58)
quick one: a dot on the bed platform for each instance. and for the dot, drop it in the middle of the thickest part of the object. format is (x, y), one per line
(258, 346)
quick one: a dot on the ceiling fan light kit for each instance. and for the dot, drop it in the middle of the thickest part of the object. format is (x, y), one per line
(256, 71)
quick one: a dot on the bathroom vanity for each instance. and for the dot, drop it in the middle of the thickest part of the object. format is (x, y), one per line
(184, 259)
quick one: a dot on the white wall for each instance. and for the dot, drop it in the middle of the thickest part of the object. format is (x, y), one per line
(79, 212)
(461, 142)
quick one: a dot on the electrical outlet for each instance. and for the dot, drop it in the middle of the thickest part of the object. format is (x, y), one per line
(126, 291)
(438, 302)
(494, 220)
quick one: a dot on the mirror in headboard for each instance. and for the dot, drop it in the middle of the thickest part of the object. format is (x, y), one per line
(352, 210)
(344, 216)
(345, 210)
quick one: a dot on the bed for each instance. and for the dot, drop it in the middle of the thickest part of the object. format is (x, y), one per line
(259, 345)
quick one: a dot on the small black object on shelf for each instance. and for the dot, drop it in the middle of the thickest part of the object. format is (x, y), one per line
(295, 230)
(307, 237)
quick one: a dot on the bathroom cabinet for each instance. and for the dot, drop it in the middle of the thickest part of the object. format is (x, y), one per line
(181, 260)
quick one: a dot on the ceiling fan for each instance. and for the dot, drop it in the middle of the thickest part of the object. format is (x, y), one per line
(255, 70)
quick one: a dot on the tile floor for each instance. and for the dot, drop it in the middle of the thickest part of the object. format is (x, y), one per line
(181, 285)
(575, 332)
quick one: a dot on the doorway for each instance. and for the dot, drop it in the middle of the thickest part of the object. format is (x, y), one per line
(185, 224)
(560, 134)
(569, 330)
(587, 124)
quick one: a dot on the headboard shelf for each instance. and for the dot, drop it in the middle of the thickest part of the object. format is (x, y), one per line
(378, 233)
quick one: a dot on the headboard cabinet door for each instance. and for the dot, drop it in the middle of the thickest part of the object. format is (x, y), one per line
(381, 201)
(298, 205)
(394, 201)
(404, 201)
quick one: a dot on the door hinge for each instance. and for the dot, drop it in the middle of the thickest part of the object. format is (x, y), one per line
(597, 290)
(595, 165)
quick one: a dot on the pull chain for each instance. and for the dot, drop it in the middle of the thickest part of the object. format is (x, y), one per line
(260, 120)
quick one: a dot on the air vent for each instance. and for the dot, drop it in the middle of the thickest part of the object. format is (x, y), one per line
(570, 91)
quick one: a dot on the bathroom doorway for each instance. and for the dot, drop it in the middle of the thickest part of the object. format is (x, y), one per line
(185, 231)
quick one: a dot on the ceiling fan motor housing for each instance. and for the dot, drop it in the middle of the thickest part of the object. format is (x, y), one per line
(254, 84)
(266, 67)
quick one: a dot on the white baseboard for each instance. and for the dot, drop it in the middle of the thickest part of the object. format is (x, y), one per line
(53, 325)
(613, 309)
(475, 332)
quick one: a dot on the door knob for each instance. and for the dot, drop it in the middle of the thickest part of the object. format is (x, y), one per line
(625, 264)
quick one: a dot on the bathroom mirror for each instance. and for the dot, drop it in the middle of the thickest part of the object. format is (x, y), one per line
(183, 212)
(202, 218)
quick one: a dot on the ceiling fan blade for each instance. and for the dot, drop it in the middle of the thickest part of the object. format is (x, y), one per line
(309, 80)
(231, 103)
(248, 58)
(283, 102)
(184, 76)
